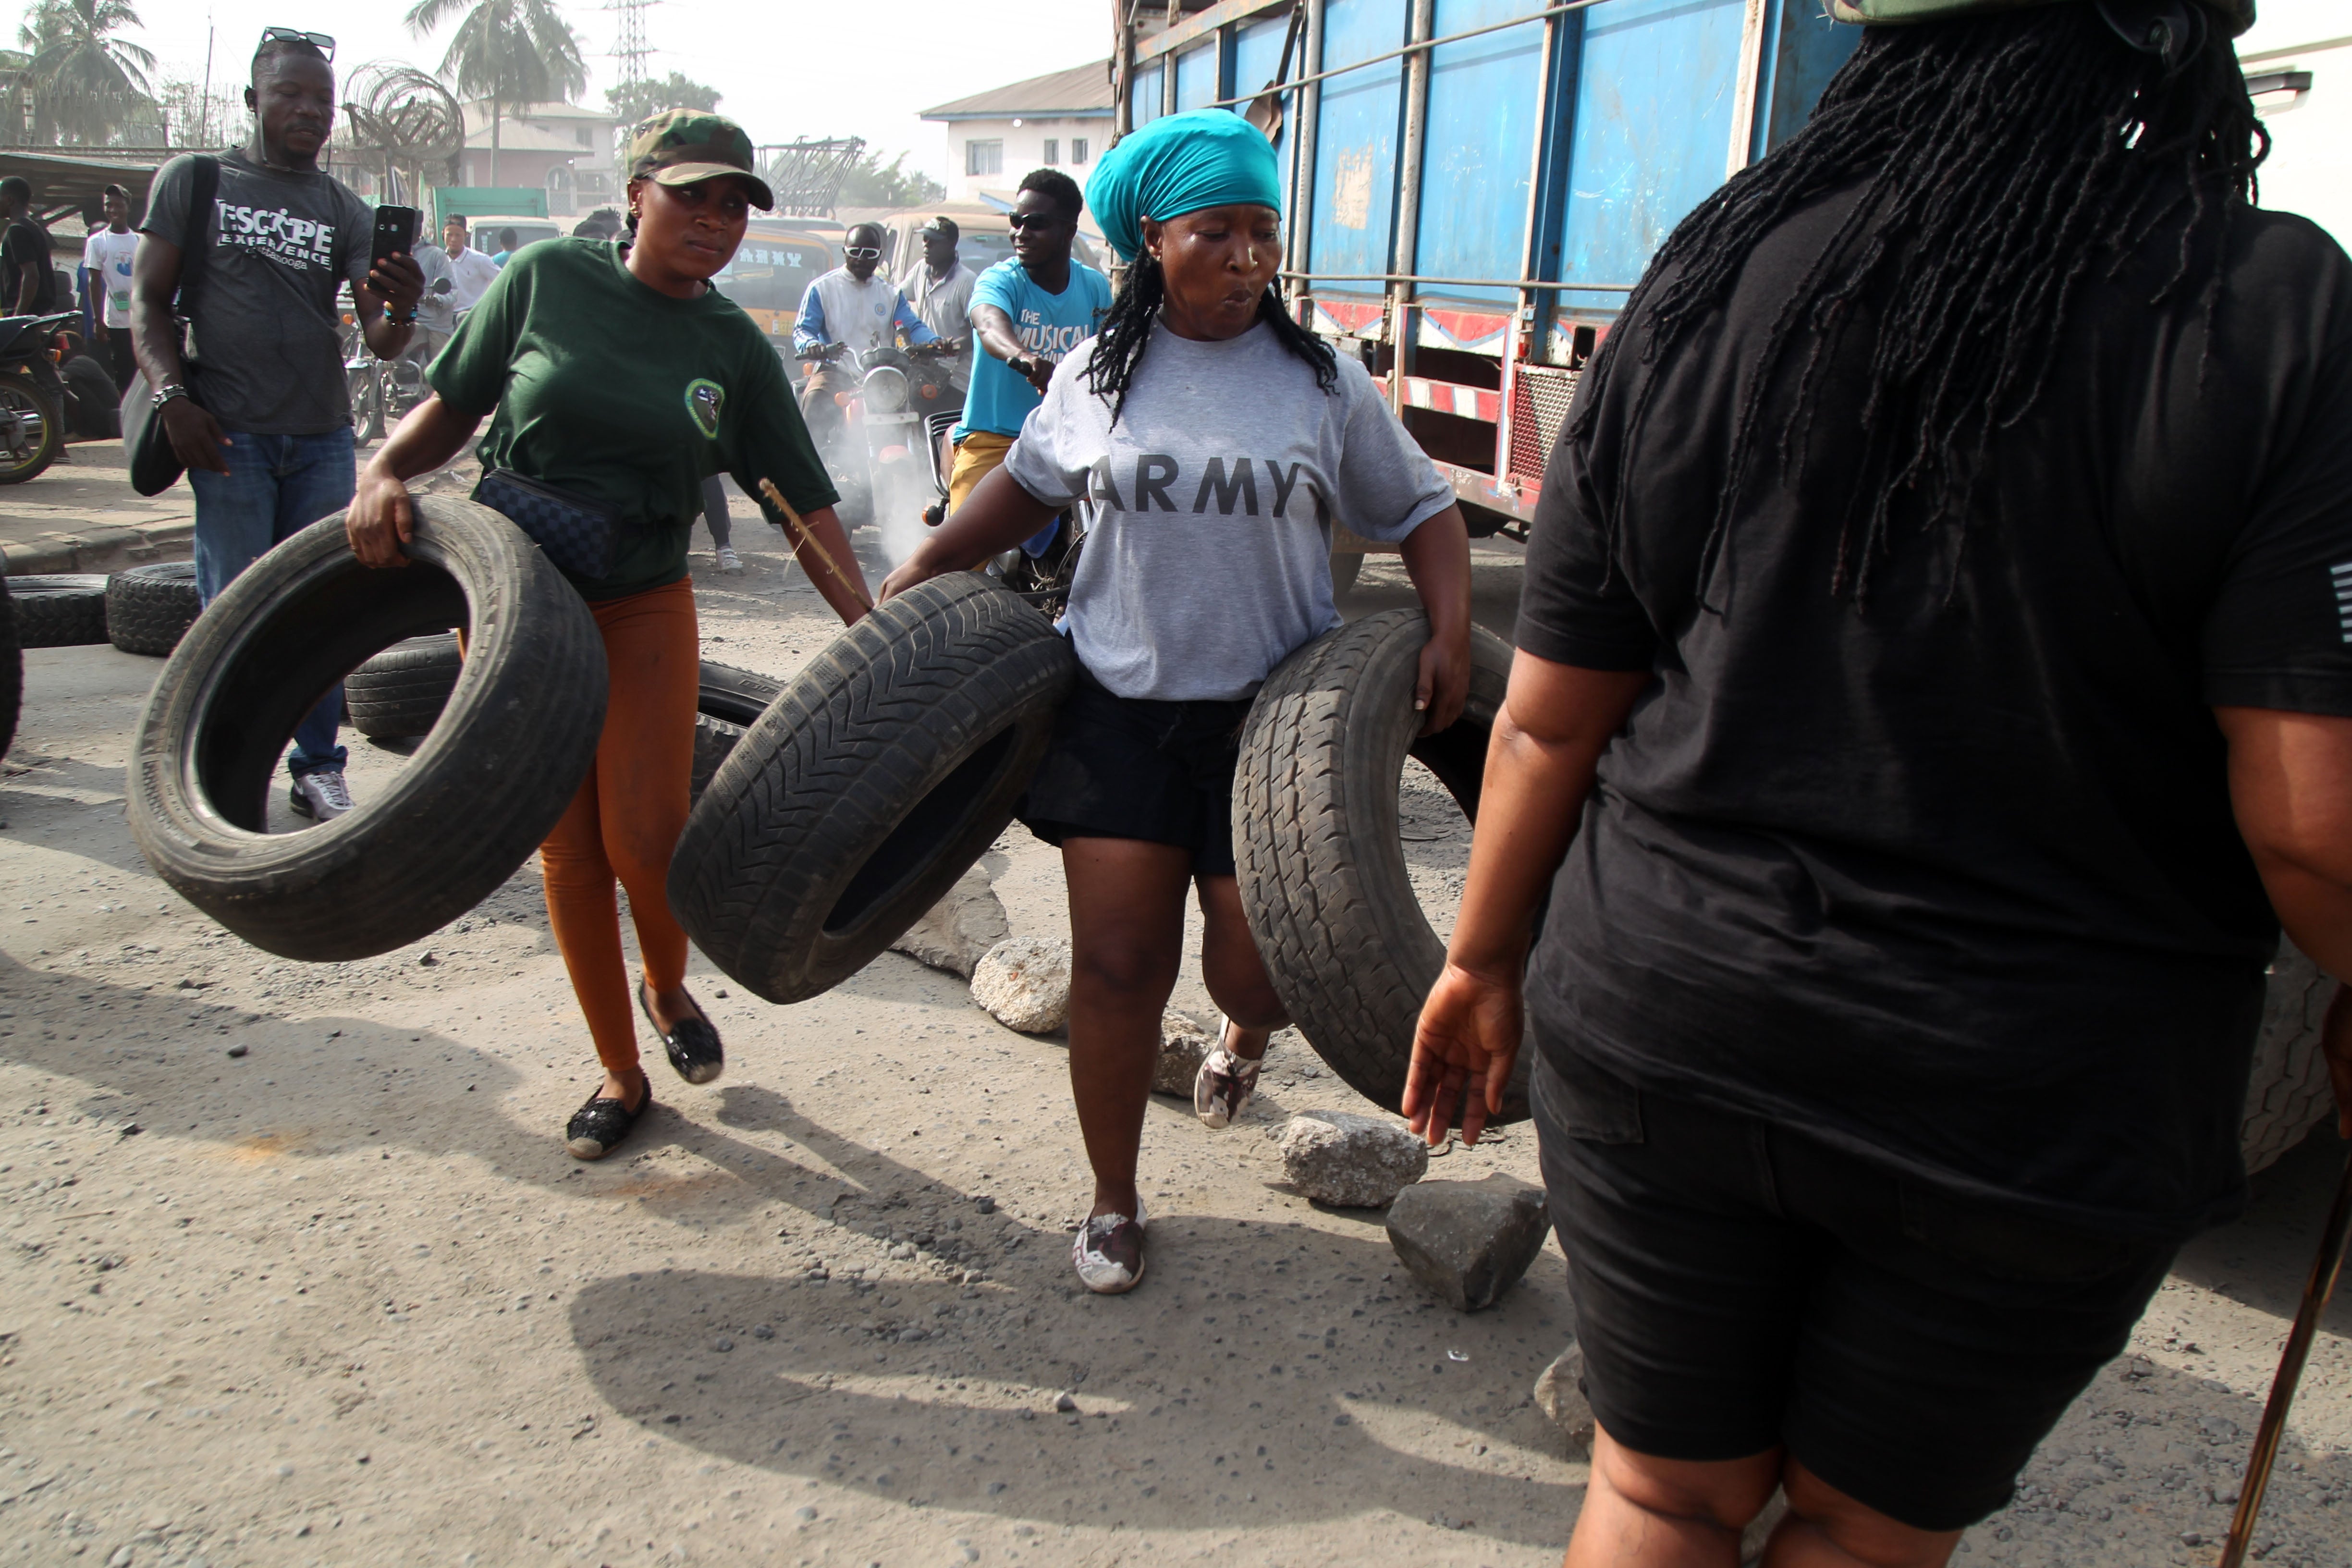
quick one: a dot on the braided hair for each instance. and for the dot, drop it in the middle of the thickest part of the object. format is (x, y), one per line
(2001, 161)
(1126, 333)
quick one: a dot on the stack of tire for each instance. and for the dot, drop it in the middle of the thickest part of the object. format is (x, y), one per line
(142, 609)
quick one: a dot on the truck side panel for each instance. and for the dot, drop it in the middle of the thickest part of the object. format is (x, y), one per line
(1356, 142)
(1652, 136)
(1478, 163)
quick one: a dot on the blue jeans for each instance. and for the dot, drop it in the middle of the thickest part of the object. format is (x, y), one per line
(276, 487)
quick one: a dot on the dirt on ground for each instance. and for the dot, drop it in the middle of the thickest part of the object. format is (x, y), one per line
(297, 1270)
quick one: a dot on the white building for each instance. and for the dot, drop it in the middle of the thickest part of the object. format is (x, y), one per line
(563, 148)
(2298, 62)
(1059, 120)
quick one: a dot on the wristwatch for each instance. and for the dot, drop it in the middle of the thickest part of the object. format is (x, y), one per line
(407, 320)
(168, 391)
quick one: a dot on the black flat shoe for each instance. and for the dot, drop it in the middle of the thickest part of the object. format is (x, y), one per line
(597, 1127)
(693, 1047)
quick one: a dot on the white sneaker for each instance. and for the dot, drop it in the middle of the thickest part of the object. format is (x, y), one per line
(322, 796)
(728, 560)
(1224, 1083)
(1107, 1252)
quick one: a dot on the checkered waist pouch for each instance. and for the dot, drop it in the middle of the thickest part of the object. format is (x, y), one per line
(581, 536)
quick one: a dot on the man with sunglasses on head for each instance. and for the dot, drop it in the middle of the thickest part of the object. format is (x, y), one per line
(1028, 313)
(847, 311)
(258, 408)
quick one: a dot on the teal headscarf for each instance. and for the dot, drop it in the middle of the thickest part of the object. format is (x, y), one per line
(1178, 165)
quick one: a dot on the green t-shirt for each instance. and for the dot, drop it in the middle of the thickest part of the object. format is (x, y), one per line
(619, 393)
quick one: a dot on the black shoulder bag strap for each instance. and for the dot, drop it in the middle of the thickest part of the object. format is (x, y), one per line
(154, 467)
(196, 255)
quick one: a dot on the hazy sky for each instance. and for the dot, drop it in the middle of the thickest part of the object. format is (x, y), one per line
(846, 67)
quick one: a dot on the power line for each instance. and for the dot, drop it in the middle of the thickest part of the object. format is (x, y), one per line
(629, 46)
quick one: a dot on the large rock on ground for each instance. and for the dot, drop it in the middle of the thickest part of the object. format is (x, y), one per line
(1025, 983)
(1469, 1241)
(1183, 1046)
(958, 931)
(1349, 1160)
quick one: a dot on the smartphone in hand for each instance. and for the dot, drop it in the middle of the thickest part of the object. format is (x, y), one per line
(396, 232)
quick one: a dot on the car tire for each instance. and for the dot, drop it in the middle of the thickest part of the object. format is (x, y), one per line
(150, 608)
(730, 703)
(885, 769)
(2287, 1087)
(12, 674)
(400, 691)
(66, 610)
(1317, 846)
(481, 793)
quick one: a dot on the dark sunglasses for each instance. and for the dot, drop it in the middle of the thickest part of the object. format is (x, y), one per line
(320, 41)
(863, 252)
(1016, 222)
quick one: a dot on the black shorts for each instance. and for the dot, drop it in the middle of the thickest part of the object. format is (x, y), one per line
(1740, 1286)
(1124, 767)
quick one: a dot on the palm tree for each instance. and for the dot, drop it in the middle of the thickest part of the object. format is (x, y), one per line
(85, 83)
(509, 51)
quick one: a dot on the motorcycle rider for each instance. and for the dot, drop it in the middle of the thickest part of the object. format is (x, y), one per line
(1028, 312)
(848, 307)
(938, 289)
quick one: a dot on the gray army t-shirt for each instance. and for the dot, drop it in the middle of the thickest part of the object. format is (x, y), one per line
(1210, 505)
(266, 337)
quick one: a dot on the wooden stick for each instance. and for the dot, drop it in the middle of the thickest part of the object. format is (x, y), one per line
(2316, 1289)
(801, 530)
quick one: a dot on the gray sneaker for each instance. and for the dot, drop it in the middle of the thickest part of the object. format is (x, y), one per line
(728, 560)
(322, 796)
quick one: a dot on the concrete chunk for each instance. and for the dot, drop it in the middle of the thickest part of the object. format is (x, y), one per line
(1351, 1161)
(1023, 982)
(1469, 1241)
(1183, 1046)
(956, 932)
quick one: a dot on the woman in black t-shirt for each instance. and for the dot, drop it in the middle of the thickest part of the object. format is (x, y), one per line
(1934, 600)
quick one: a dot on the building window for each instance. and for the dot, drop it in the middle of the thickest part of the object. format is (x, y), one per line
(581, 133)
(1053, 151)
(1077, 149)
(983, 157)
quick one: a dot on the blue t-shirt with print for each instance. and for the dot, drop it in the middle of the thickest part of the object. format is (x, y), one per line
(1048, 325)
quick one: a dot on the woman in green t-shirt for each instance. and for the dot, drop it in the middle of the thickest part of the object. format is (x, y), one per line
(612, 372)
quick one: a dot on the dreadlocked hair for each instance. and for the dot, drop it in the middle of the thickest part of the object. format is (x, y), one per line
(1126, 333)
(2002, 161)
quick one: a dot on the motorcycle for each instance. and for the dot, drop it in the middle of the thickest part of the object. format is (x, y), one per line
(873, 463)
(383, 391)
(1043, 579)
(32, 395)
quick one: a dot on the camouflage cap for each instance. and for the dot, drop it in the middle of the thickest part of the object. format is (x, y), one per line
(2234, 15)
(679, 146)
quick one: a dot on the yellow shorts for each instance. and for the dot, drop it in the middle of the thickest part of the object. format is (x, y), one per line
(976, 456)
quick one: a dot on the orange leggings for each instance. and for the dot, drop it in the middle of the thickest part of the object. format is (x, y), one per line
(626, 818)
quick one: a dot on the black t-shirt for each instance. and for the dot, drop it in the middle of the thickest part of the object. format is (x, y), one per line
(27, 245)
(1952, 881)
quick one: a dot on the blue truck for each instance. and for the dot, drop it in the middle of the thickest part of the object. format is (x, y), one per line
(1477, 184)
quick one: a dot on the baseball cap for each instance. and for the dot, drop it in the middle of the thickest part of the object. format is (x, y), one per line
(942, 223)
(679, 146)
(2234, 15)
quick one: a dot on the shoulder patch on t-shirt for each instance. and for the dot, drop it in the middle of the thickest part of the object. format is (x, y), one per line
(2340, 574)
(703, 400)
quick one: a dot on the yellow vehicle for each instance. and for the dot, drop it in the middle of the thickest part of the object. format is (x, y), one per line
(773, 269)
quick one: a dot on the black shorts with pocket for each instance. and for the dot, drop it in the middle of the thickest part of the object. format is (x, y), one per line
(1739, 1284)
(1126, 767)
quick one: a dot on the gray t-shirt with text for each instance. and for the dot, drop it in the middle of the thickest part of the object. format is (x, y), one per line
(266, 335)
(1209, 507)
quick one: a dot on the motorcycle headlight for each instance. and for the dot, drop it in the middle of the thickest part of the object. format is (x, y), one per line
(885, 389)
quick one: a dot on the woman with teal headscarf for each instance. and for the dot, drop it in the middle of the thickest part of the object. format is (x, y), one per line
(1212, 444)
